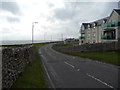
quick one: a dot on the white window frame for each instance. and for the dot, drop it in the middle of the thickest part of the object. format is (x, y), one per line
(88, 26)
(103, 21)
(94, 35)
(94, 25)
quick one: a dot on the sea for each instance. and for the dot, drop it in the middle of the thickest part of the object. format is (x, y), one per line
(18, 42)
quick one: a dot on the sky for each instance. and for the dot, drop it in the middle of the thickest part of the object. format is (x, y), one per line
(56, 18)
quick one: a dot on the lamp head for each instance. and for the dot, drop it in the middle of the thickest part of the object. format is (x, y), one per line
(35, 22)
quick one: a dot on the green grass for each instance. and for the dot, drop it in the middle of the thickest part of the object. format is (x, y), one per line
(111, 57)
(107, 57)
(14, 46)
(33, 76)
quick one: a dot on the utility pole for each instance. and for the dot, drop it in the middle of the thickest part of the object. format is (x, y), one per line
(62, 36)
(51, 37)
(44, 36)
(33, 31)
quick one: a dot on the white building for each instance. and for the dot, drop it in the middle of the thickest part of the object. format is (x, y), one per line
(103, 30)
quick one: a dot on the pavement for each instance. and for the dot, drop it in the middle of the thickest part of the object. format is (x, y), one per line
(65, 71)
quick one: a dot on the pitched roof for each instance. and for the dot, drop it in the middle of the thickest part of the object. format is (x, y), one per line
(117, 10)
(100, 21)
(86, 24)
(97, 22)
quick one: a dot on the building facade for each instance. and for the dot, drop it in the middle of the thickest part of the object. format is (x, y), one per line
(101, 31)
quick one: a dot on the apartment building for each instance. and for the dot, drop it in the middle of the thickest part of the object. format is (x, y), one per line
(103, 30)
(111, 29)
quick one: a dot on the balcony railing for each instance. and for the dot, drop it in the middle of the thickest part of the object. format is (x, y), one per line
(108, 37)
(82, 31)
(111, 24)
(82, 37)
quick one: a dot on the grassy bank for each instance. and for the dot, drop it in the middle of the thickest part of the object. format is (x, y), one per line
(33, 76)
(107, 57)
(13, 46)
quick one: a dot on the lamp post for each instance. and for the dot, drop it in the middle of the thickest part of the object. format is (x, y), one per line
(33, 30)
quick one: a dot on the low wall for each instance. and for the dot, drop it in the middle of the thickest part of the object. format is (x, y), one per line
(87, 47)
(14, 61)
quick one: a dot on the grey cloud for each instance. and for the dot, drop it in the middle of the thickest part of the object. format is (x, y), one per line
(119, 4)
(77, 13)
(13, 19)
(5, 31)
(50, 5)
(64, 14)
(109, 7)
(71, 11)
(51, 19)
(11, 7)
(79, 10)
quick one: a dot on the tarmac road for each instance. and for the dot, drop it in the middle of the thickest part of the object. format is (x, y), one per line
(65, 71)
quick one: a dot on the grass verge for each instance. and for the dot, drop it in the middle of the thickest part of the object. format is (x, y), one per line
(107, 57)
(33, 76)
(13, 46)
(111, 57)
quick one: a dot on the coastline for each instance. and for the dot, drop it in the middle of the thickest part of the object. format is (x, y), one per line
(22, 42)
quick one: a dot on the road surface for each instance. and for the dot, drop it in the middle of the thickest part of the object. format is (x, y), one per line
(65, 71)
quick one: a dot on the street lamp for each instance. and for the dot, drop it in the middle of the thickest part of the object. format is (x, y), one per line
(33, 30)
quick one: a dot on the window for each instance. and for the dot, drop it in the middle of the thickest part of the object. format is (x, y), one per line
(94, 41)
(88, 26)
(82, 27)
(113, 21)
(94, 25)
(103, 21)
(94, 35)
(83, 35)
(82, 42)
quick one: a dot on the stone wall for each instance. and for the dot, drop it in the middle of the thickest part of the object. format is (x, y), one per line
(87, 47)
(14, 61)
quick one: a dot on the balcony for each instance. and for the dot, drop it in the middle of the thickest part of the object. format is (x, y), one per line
(82, 31)
(108, 37)
(111, 25)
(82, 37)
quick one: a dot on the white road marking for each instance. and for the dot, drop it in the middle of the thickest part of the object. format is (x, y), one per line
(40, 52)
(100, 81)
(53, 86)
(78, 69)
(69, 64)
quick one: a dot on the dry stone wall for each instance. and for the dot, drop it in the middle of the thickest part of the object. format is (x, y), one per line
(87, 47)
(14, 61)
